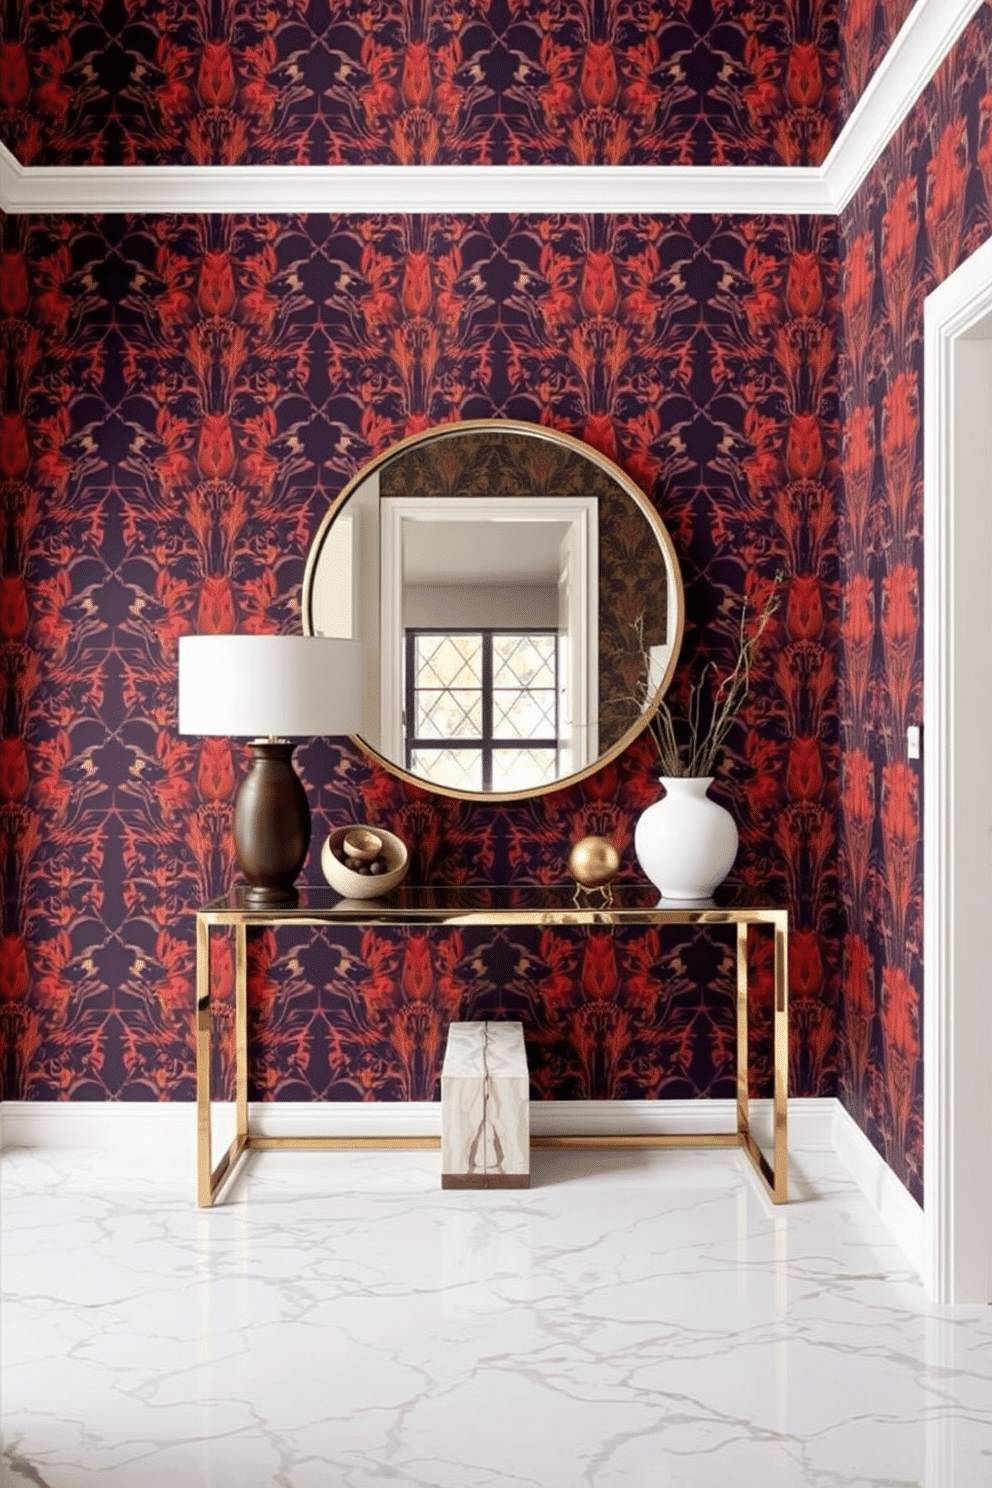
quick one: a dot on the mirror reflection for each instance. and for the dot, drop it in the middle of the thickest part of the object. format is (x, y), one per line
(518, 601)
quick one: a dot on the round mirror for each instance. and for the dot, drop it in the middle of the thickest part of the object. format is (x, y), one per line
(518, 600)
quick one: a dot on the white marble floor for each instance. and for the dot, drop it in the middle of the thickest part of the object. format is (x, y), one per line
(631, 1321)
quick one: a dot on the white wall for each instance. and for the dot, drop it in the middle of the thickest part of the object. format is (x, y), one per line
(464, 606)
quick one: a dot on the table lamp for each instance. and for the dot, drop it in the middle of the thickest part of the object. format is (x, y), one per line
(272, 689)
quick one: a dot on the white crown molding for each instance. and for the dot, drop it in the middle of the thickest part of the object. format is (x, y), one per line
(11, 172)
(538, 189)
(927, 35)
(924, 40)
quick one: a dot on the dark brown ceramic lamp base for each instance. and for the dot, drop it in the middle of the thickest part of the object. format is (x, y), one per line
(271, 825)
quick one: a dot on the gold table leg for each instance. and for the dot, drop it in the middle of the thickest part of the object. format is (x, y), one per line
(780, 1191)
(208, 1178)
(204, 1191)
(743, 1081)
(775, 1178)
(241, 1030)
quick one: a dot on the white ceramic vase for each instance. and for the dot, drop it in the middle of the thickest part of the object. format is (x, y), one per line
(685, 842)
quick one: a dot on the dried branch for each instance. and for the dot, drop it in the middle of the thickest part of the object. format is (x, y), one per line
(697, 756)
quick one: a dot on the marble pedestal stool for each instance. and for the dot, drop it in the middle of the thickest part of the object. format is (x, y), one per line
(485, 1107)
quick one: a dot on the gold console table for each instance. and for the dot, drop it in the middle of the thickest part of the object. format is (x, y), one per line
(490, 906)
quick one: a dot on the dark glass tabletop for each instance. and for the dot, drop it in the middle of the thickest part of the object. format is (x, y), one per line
(538, 903)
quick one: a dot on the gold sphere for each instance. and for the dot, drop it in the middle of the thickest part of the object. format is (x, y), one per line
(593, 862)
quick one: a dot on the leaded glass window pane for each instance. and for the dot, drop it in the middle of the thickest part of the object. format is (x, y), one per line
(524, 660)
(524, 686)
(447, 686)
(448, 715)
(523, 715)
(456, 769)
(448, 660)
(482, 689)
(519, 769)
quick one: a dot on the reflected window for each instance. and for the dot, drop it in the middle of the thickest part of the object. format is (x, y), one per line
(482, 708)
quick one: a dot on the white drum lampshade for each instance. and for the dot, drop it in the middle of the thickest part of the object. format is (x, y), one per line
(272, 689)
(262, 686)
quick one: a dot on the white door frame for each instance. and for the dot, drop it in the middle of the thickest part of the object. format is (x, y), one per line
(957, 775)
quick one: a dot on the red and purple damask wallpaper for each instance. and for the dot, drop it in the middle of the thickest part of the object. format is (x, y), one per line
(183, 397)
(867, 30)
(674, 82)
(925, 207)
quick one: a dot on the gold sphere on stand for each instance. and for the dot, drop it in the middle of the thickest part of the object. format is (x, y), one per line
(593, 862)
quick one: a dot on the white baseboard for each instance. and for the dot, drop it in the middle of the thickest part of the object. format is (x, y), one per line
(814, 1125)
(893, 1203)
(122, 1125)
(115, 1125)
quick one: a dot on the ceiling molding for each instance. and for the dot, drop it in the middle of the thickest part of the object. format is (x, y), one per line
(927, 35)
(10, 171)
(411, 188)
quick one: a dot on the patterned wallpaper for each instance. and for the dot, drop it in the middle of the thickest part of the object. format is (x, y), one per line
(182, 400)
(925, 207)
(609, 82)
(867, 30)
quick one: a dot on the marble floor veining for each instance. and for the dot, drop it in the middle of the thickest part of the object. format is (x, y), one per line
(634, 1320)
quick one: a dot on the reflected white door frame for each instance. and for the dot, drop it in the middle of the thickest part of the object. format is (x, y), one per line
(581, 513)
(957, 783)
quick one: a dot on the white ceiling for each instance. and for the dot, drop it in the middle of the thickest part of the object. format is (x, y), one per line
(482, 552)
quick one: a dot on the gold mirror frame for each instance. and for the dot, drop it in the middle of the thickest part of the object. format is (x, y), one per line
(534, 431)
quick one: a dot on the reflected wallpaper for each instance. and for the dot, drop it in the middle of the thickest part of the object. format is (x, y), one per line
(184, 397)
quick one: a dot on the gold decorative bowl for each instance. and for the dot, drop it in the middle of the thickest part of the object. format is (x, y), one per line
(360, 885)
